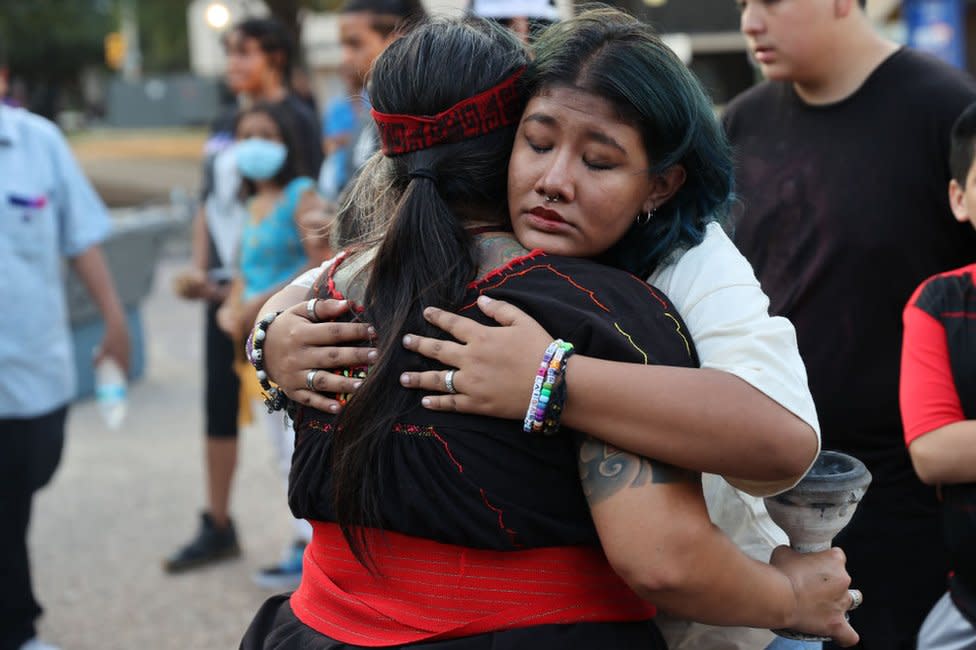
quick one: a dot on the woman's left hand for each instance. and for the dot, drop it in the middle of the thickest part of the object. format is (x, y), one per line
(495, 366)
(821, 585)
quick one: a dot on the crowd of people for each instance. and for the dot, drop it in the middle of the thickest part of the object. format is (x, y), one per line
(533, 332)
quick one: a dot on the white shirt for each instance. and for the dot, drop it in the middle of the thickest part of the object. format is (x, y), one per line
(716, 292)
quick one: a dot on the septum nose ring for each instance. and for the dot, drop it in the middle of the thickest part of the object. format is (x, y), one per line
(551, 198)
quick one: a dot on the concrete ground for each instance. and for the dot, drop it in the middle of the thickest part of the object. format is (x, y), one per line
(123, 500)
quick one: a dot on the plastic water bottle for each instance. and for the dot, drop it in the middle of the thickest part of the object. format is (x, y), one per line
(110, 392)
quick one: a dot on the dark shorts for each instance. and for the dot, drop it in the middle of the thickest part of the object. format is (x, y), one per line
(222, 393)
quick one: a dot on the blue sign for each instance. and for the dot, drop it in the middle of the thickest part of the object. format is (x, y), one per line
(937, 27)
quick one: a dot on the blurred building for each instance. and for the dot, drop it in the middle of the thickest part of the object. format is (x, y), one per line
(706, 34)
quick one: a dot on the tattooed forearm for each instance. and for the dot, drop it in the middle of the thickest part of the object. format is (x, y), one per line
(605, 470)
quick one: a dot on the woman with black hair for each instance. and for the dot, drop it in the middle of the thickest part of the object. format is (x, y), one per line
(461, 531)
(277, 242)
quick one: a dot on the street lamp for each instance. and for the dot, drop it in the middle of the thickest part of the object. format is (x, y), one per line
(217, 15)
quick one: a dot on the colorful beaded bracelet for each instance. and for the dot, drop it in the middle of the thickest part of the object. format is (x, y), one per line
(274, 398)
(548, 390)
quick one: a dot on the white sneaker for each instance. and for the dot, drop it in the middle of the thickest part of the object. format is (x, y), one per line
(37, 644)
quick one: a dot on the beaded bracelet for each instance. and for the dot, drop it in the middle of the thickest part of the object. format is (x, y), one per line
(547, 420)
(548, 390)
(275, 398)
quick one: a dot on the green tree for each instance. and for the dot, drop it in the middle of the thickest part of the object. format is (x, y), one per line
(163, 35)
(49, 43)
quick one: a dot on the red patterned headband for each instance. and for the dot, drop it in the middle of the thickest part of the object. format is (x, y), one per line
(488, 111)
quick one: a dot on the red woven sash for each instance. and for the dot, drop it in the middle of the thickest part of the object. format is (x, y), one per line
(426, 590)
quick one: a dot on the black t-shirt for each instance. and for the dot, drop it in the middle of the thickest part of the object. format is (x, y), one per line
(482, 482)
(844, 211)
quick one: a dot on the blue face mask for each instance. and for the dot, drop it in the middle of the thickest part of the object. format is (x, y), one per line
(259, 159)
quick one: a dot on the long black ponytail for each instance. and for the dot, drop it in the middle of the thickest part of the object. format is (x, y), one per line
(425, 257)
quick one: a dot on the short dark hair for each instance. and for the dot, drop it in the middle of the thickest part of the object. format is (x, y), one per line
(962, 145)
(273, 38)
(387, 16)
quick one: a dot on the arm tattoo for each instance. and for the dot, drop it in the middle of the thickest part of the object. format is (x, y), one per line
(495, 251)
(605, 470)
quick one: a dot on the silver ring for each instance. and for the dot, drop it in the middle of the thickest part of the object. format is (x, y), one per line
(310, 379)
(310, 310)
(551, 198)
(856, 599)
(449, 382)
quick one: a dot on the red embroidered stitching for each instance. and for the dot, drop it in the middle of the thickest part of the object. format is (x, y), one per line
(548, 267)
(512, 263)
(651, 290)
(333, 291)
(430, 432)
(501, 519)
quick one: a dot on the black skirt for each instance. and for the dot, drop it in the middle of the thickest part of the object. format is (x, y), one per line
(275, 627)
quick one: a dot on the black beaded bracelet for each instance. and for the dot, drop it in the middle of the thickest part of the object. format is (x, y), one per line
(274, 398)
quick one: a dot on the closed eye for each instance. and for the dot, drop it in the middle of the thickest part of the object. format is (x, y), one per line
(538, 148)
(598, 166)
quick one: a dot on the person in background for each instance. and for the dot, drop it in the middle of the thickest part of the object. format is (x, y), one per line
(366, 27)
(339, 125)
(843, 214)
(259, 59)
(277, 241)
(48, 211)
(938, 404)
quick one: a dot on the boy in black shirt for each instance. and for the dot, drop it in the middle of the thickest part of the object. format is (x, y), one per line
(842, 174)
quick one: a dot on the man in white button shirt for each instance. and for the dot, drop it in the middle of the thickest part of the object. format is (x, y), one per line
(48, 210)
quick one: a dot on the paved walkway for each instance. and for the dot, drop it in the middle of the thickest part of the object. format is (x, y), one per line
(123, 500)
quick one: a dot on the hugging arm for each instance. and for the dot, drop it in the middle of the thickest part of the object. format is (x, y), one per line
(706, 419)
(655, 530)
(295, 345)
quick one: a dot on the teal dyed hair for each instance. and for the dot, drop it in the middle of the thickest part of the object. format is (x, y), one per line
(612, 55)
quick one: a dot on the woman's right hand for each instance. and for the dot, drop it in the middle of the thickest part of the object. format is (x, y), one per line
(294, 346)
(823, 594)
(495, 366)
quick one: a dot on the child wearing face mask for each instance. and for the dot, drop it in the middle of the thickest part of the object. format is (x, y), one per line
(282, 234)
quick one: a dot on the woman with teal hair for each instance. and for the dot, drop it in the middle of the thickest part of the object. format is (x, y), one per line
(591, 176)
